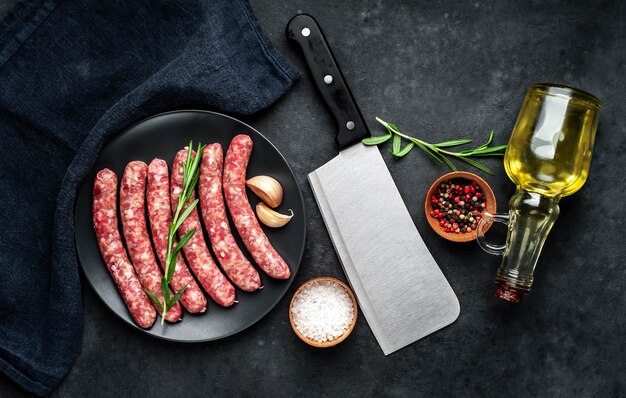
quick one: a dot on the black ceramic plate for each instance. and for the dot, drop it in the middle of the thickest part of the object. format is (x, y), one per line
(162, 136)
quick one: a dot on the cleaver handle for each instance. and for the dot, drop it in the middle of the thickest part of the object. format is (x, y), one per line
(304, 30)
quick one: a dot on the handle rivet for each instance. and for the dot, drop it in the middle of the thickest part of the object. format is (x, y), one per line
(328, 79)
(350, 125)
(306, 32)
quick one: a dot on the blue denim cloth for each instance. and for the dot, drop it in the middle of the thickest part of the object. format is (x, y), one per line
(72, 75)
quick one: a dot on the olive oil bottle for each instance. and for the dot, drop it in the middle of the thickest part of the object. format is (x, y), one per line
(548, 157)
(550, 148)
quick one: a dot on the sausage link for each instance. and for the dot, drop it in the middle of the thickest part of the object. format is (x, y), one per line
(196, 251)
(253, 237)
(133, 212)
(160, 216)
(112, 249)
(232, 260)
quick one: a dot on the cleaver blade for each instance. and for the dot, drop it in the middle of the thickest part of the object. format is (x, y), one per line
(402, 293)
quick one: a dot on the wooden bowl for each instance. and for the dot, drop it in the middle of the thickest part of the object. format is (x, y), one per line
(489, 207)
(345, 334)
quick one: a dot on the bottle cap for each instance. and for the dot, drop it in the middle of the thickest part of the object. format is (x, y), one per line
(509, 292)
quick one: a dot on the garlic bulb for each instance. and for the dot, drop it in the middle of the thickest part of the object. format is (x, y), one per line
(267, 188)
(270, 217)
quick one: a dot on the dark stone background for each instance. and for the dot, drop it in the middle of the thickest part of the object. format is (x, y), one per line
(442, 70)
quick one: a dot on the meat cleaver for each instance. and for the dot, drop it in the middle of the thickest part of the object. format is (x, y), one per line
(401, 290)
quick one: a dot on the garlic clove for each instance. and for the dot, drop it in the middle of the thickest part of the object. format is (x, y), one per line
(271, 217)
(267, 188)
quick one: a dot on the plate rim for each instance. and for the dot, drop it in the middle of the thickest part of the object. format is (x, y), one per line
(262, 314)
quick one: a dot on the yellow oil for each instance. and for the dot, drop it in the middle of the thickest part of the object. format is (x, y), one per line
(547, 157)
(550, 148)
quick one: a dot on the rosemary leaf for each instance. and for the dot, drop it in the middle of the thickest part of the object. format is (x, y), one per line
(185, 214)
(170, 274)
(449, 163)
(183, 241)
(397, 142)
(193, 183)
(171, 267)
(437, 150)
(428, 151)
(166, 290)
(379, 139)
(187, 163)
(407, 148)
(154, 299)
(393, 127)
(452, 143)
(179, 293)
(493, 149)
(476, 164)
(486, 144)
(195, 163)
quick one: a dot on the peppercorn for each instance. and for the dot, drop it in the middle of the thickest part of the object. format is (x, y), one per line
(458, 205)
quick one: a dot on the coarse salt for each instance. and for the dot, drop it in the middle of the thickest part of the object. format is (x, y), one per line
(322, 311)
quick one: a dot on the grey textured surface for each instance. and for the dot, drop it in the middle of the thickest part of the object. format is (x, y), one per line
(443, 70)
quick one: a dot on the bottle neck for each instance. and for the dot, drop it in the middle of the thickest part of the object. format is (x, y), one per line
(531, 217)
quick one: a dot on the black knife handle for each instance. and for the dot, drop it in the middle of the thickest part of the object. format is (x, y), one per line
(328, 78)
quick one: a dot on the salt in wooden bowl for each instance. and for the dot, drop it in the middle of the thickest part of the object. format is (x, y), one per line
(345, 334)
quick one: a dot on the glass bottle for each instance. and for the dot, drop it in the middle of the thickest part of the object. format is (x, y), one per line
(547, 157)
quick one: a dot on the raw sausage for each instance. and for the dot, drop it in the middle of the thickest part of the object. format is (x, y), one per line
(160, 216)
(253, 237)
(196, 251)
(112, 249)
(230, 257)
(133, 213)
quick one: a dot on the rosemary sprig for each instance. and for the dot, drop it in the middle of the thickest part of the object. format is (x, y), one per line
(436, 151)
(191, 173)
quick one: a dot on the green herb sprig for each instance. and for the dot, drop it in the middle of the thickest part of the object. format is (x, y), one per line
(191, 173)
(436, 150)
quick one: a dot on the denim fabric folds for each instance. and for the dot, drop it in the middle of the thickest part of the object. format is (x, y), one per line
(72, 75)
